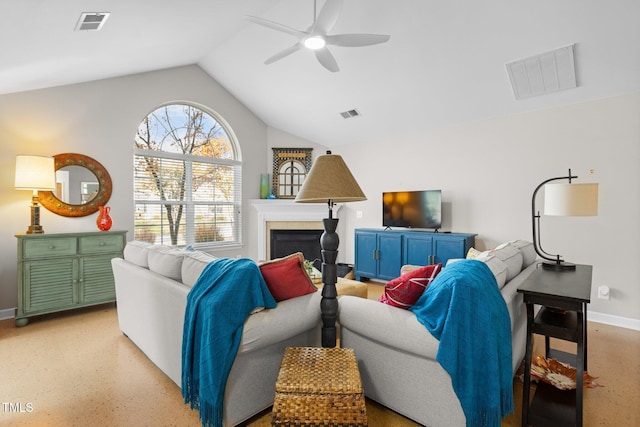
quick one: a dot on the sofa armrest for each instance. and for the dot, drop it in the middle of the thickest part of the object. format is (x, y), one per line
(390, 326)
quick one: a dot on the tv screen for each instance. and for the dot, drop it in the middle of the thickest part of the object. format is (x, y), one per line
(413, 209)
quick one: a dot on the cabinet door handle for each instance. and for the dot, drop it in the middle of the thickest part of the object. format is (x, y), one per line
(52, 247)
(101, 243)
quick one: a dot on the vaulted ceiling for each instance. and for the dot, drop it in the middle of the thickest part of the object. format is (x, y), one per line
(444, 64)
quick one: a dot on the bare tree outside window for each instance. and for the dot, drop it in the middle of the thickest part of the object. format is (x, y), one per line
(186, 178)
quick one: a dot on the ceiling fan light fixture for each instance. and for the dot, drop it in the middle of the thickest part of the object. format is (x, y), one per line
(317, 38)
(314, 42)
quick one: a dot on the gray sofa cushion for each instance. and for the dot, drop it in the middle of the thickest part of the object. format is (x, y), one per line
(497, 267)
(387, 325)
(167, 261)
(137, 252)
(511, 256)
(527, 250)
(290, 318)
(192, 265)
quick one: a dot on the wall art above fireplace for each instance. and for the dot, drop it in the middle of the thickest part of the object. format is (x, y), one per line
(290, 168)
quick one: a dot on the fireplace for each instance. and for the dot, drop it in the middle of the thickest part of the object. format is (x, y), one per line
(287, 215)
(285, 242)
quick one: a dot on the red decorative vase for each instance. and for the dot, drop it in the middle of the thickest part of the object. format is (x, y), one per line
(104, 221)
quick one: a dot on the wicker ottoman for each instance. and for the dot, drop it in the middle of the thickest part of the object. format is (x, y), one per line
(319, 386)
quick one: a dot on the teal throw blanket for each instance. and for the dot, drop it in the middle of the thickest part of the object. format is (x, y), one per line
(217, 306)
(464, 310)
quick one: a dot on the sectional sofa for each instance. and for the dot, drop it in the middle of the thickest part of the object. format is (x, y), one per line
(396, 354)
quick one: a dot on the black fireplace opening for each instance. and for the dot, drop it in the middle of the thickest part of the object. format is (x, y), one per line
(286, 242)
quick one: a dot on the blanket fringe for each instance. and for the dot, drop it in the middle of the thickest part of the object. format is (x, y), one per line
(210, 416)
(493, 416)
(507, 403)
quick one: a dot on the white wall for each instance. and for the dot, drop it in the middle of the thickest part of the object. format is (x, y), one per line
(489, 169)
(100, 119)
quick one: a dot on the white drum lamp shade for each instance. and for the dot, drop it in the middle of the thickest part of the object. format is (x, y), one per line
(36, 173)
(571, 199)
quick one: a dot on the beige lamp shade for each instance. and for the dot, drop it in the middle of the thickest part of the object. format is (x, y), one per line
(571, 199)
(330, 179)
(35, 173)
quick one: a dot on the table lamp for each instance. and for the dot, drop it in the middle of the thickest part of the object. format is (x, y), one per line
(329, 181)
(35, 173)
(564, 199)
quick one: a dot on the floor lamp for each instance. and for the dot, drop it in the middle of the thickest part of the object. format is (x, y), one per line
(565, 199)
(329, 181)
(35, 173)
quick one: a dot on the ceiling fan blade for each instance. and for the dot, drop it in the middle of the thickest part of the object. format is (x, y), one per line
(276, 26)
(288, 51)
(327, 17)
(355, 40)
(326, 59)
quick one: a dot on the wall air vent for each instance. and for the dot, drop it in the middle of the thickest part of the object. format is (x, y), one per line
(92, 21)
(542, 74)
(350, 113)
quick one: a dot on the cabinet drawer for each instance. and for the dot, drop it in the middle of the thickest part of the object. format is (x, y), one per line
(101, 243)
(50, 247)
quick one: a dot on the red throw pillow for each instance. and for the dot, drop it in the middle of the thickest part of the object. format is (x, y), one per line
(286, 277)
(405, 290)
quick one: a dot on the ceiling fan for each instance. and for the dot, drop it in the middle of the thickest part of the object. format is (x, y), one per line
(317, 36)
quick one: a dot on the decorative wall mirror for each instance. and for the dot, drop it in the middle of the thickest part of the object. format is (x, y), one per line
(290, 168)
(82, 186)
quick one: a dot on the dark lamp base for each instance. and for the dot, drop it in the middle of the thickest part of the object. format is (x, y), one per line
(558, 266)
(35, 227)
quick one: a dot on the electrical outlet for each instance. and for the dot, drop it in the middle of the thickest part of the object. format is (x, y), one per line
(603, 292)
(359, 214)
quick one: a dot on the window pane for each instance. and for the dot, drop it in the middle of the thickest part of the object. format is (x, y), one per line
(214, 223)
(159, 179)
(213, 182)
(156, 223)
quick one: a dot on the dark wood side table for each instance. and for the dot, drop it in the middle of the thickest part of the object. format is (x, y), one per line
(563, 297)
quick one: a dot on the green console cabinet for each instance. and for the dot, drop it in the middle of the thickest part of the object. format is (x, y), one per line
(65, 271)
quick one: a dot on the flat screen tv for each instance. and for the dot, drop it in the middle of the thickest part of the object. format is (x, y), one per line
(412, 209)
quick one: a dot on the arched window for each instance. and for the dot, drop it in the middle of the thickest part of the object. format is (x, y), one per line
(187, 178)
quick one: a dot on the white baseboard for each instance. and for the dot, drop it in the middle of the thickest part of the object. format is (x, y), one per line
(8, 313)
(610, 319)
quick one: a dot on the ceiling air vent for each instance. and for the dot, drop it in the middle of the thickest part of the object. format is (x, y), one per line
(349, 114)
(92, 21)
(542, 74)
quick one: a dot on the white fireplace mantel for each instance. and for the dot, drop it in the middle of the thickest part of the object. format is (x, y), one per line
(286, 210)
